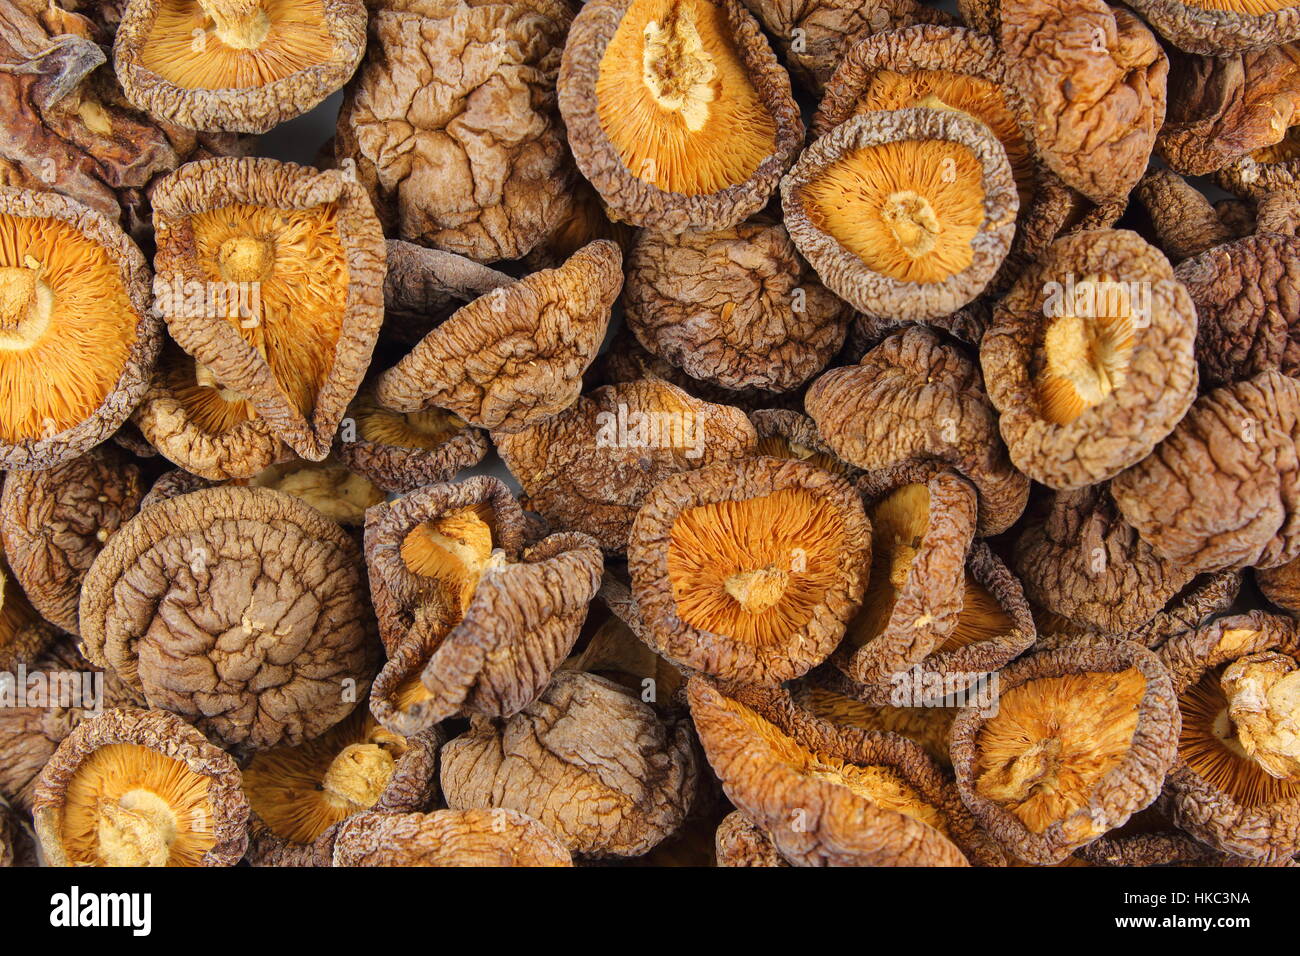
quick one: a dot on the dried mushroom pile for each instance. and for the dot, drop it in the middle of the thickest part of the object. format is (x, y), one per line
(656, 432)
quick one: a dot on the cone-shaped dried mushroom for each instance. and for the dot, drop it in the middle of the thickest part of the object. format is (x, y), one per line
(514, 357)
(487, 624)
(238, 65)
(588, 468)
(77, 337)
(831, 795)
(1093, 78)
(300, 795)
(1082, 738)
(1220, 27)
(1223, 490)
(905, 213)
(915, 398)
(242, 609)
(735, 307)
(496, 837)
(749, 570)
(1090, 358)
(1236, 784)
(587, 759)
(140, 788)
(55, 522)
(677, 111)
(271, 276)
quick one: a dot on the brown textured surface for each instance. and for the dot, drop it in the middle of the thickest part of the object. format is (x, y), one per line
(495, 837)
(423, 286)
(738, 842)
(1218, 32)
(1185, 221)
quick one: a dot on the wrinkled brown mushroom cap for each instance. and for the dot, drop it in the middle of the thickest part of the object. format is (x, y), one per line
(1082, 738)
(702, 139)
(749, 570)
(243, 609)
(79, 336)
(234, 64)
(422, 287)
(785, 433)
(738, 842)
(495, 837)
(1221, 27)
(140, 788)
(23, 633)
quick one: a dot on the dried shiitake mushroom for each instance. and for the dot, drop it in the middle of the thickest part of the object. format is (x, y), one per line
(905, 213)
(738, 842)
(423, 287)
(1236, 785)
(587, 759)
(585, 223)
(734, 307)
(617, 652)
(299, 795)
(514, 357)
(238, 65)
(749, 570)
(1183, 218)
(77, 337)
(496, 837)
(271, 276)
(1093, 78)
(1222, 27)
(241, 609)
(55, 522)
(23, 633)
(452, 125)
(589, 468)
(1281, 585)
(1082, 738)
(140, 788)
(328, 486)
(677, 111)
(916, 399)
(830, 795)
(400, 451)
(1090, 358)
(1222, 491)
(828, 694)
(784, 433)
(488, 623)
(171, 483)
(965, 325)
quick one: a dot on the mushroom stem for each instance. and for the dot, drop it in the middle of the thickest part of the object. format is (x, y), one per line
(26, 305)
(677, 69)
(1015, 781)
(359, 774)
(1263, 692)
(756, 591)
(240, 24)
(138, 829)
(246, 259)
(913, 222)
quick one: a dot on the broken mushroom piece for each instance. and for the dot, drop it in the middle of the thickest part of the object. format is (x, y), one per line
(241, 609)
(514, 357)
(1082, 738)
(749, 570)
(55, 522)
(587, 759)
(140, 788)
(495, 837)
(300, 795)
(677, 111)
(1090, 358)
(271, 276)
(1281, 585)
(830, 795)
(734, 307)
(904, 213)
(918, 399)
(1222, 27)
(1184, 220)
(77, 337)
(1222, 491)
(1236, 785)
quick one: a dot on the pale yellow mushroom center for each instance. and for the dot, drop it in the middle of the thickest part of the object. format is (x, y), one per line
(1087, 347)
(913, 222)
(359, 774)
(677, 69)
(246, 259)
(26, 305)
(1263, 692)
(1033, 771)
(239, 24)
(758, 590)
(204, 377)
(137, 829)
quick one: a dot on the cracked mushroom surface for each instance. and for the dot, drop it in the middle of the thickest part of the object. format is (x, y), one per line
(514, 357)
(54, 522)
(492, 837)
(749, 570)
(677, 111)
(739, 843)
(587, 759)
(829, 795)
(77, 338)
(243, 66)
(1221, 492)
(140, 788)
(918, 399)
(270, 276)
(1236, 785)
(906, 213)
(24, 634)
(1222, 27)
(589, 468)
(1082, 738)
(242, 609)
(1090, 358)
(734, 307)
(451, 123)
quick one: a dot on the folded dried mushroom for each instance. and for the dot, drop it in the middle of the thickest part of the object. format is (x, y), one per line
(1221, 27)
(495, 837)
(738, 842)
(140, 788)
